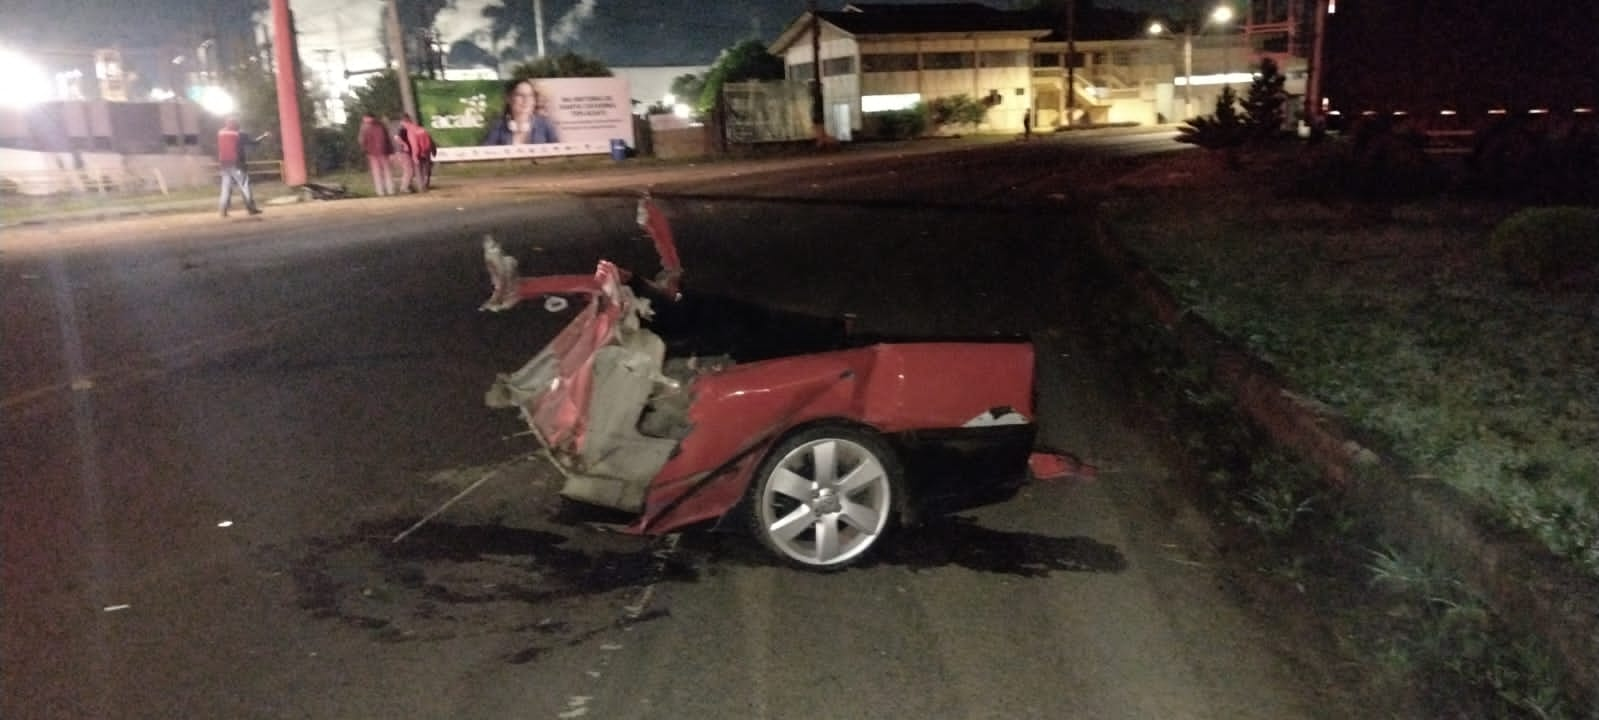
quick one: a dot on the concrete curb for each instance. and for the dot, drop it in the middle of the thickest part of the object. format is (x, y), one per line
(1530, 589)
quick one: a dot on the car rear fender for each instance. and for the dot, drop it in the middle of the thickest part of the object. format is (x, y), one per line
(736, 415)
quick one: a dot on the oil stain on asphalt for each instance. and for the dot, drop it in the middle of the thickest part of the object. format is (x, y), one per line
(445, 581)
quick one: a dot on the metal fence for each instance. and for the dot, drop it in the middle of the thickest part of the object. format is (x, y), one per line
(772, 111)
(107, 182)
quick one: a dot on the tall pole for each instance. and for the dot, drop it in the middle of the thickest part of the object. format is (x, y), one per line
(538, 24)
(1188, 72)
(1313, 93)
(1071, 62)
(283, 47)
(402, 67)
(818, 120)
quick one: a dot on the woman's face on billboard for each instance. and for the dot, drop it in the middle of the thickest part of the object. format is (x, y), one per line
(522, 100)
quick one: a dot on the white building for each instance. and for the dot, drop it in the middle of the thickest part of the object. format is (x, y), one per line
(885, 57)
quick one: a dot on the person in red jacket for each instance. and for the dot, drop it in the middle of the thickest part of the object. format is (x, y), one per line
(374, 139)
(231, 144)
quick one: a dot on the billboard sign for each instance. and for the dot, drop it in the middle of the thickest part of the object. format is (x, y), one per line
(540, 117)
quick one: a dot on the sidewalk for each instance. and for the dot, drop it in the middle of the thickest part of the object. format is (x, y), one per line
(591, 173)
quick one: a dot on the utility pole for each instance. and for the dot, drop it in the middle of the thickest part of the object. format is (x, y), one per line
(283, 49)
(1071, 62)
(1313, 93)
(1188, 71)
(397, 49)
(538, 24)
(818, 120)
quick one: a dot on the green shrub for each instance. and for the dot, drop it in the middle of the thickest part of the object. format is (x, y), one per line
(331, 149)
(897, 124)
(1547, 246)
(1224, 128)
(954, 110)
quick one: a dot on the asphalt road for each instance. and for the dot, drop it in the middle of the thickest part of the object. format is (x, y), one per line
(213, 429)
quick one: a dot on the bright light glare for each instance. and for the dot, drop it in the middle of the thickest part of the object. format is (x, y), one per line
(217, 101)
(160, 94)
(884, 103)
(1222, 15)
(23, 84)
(1156, 28)
(1216, 79)
(682, 110)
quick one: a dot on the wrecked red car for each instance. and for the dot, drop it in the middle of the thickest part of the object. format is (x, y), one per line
(686, 408)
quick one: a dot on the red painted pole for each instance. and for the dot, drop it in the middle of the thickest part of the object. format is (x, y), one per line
(283, 52)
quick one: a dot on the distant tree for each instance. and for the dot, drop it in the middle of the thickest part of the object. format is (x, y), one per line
(380, 96)
(416, 19)
(508, 21)
(420, 14)
(743, 62)
(255, 90)
(1222, 129)
(465, 53)
(1264, 112)
(688, 85)
(568, 64)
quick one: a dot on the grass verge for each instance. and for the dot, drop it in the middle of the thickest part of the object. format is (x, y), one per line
(1402, 324)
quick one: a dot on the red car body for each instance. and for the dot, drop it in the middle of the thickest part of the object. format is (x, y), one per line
(669, 406)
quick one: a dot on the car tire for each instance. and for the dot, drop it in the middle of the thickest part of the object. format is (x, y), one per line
(824, 497)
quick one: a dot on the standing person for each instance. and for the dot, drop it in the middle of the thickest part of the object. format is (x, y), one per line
(1027, 124)
(403, 165)
(525, 119)
(422, 152)
(375, 143)
(231, 144)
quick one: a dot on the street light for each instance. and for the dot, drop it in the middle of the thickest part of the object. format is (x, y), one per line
(1222, 15)
(25, 83)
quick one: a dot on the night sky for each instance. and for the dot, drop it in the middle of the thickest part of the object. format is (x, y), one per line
(618, 32)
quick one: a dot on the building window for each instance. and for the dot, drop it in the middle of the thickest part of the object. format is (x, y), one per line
(802, 71)
(1046, 60)
(838, 66)
(1016, 58)
(949, 61)
(1126, 58)
(889, 62)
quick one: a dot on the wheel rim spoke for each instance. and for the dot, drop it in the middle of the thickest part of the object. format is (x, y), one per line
(789, 483)
(863, 474)
(861, 517)
(827, 539)
(792, 524)
(825, 455)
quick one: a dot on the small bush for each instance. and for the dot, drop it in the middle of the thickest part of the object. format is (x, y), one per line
(1547, 246)
(1222, 129)
(1544, 161)
(1382, 163)
(897, 124)
(330, 149)
(954, 110)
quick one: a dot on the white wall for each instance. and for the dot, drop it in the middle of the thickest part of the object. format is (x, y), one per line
(46, 173)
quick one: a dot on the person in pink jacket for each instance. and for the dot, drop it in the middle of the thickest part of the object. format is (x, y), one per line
(422, 151)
